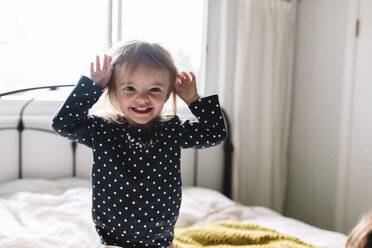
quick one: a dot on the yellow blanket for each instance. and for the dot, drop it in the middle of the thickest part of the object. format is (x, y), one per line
(234, 234)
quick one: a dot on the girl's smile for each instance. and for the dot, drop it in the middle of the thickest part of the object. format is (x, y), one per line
(142, 95)
(141, 110)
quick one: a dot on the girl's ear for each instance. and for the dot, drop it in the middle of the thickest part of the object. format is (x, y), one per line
(170, 91)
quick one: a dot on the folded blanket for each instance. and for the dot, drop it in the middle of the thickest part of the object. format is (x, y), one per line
(234, 234)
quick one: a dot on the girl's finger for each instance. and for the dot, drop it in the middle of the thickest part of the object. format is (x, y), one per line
(109, 73)
(111, 68)
(98, 65)
(104, 62)
(91, 67)
(193, 78)
(185, 76)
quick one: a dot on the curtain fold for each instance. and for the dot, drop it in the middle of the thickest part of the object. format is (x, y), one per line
(262, 100)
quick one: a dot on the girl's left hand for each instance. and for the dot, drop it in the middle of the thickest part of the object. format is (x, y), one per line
(186, 88)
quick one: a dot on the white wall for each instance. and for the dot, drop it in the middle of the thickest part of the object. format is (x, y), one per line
(316, 117)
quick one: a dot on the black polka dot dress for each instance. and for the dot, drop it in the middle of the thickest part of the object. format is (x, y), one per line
(136, 174)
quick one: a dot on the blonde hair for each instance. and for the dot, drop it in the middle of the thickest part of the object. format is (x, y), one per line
(130, 55)
(361, 235)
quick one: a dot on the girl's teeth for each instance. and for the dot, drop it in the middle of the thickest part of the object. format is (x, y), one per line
(141, 110)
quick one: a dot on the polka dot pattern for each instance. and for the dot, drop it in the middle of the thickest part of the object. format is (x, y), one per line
(136, 174)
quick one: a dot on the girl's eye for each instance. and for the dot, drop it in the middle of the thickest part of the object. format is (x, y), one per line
(155, 89)
(129, 88)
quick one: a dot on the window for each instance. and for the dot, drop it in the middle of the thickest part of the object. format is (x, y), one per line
(45, 42)
(177, 24)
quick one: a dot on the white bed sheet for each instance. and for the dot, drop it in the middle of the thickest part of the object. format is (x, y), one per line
(44, 213)
(203, 206)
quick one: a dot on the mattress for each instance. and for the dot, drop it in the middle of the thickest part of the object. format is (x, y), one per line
(57, 213)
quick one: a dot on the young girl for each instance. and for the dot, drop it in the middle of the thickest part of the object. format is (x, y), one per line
(361, 235)
(136, 174)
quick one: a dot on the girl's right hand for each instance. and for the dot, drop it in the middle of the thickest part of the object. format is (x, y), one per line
(101, 76)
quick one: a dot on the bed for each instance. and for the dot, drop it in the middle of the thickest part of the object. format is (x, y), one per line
(45, 197)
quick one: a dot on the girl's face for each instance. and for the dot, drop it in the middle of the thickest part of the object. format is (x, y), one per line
(141, 97)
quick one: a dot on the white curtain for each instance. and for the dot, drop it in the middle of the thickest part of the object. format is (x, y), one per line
(262, 100)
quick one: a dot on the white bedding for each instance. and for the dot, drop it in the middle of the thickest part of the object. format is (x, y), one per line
(43, 213)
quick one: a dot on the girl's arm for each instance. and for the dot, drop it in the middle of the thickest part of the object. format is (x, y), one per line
(209, 128)
(72, 119)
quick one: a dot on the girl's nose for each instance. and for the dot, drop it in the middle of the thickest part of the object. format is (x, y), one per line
(142, 97)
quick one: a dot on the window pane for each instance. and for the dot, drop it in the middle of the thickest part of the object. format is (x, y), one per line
(44, 42)
(177, 24)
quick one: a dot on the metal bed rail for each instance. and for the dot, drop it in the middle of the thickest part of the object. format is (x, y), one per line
(228, 147)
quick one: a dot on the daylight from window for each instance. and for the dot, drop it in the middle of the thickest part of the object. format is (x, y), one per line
(177, 24)
(47, 42)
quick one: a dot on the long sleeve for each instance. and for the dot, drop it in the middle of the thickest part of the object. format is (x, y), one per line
(209, 128)
(72, 119)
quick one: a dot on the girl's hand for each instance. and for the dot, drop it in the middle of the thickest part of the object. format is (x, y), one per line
(186, 88)
(101, 76)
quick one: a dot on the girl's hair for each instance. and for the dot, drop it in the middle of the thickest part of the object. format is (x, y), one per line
(361, 235)
(130, 55)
